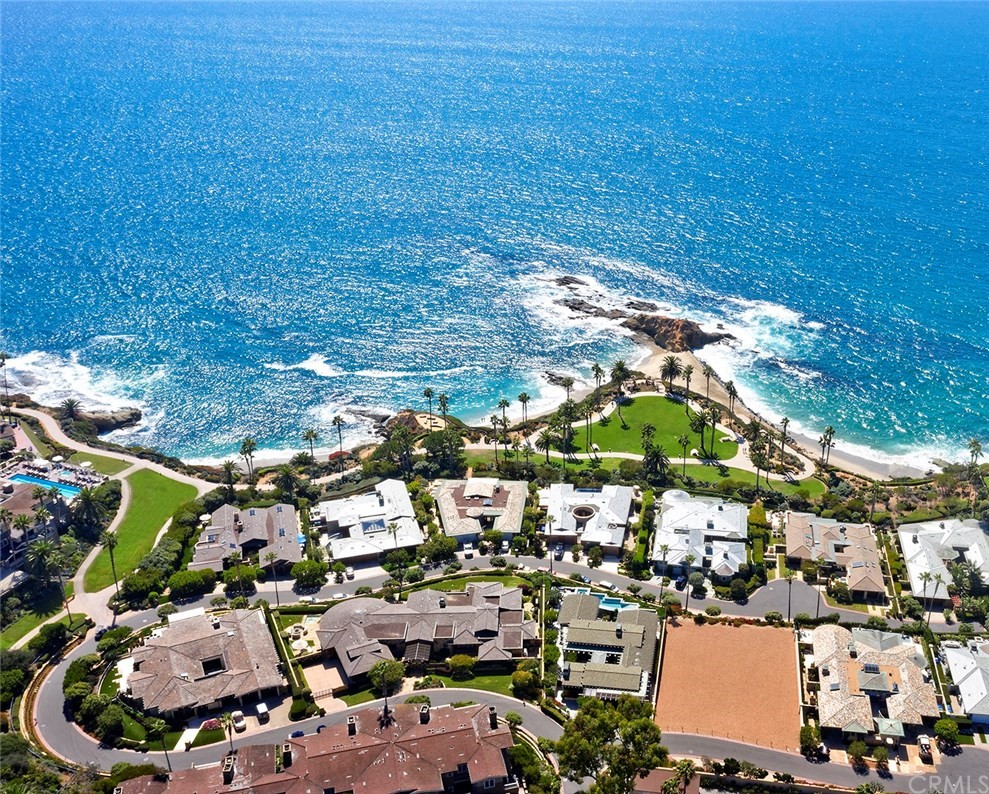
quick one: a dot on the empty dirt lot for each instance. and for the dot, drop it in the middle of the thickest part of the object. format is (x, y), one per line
(740, 683)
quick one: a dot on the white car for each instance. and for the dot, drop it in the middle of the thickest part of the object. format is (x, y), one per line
(468, 551)
(338, 596)
(240, 724)
(306, 599)
(606, 585)
(349, 573)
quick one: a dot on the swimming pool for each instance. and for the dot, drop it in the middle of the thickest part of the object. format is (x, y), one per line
(69, 492)
(610, 603)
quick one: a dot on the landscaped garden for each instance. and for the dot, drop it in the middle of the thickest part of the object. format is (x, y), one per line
(713, 475)
(154, 497)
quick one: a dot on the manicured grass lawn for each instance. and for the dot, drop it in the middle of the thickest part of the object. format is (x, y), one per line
(360, 696)
(461, 583)
(813, 486)
(43, 449)
(133, 730)
(501, 684)
(854, 607)
(668, 417)
(111, 682)
(100, 463)
(48, 604)
(209, 737)
(154, 498)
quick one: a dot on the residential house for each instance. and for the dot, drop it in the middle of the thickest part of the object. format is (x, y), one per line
(469, 508)
(202, 662)
(591, 517)
(412, 748)
(17, 497)
(838, 549)
(368, 525)
(606, 658)
(872, 683)
(486, 620)
(249, 531)
(929, 548)
(969, 666)
(712, 531)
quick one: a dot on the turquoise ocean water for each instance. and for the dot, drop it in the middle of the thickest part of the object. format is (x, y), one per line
(247, 218)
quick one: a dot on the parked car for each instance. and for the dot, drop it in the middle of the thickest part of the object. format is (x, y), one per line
(505, 547)
(584, 579)
(240, 723)
(338, 596)
(604, 583)
(558, 551)
(296, 734)
(924, 746)
(101, 631)
(349, 573)
(306, 599)
(263, 714)
(823, 752)
(468, 551)
(681, 582)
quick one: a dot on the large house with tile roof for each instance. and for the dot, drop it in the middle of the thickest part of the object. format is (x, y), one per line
(872, 683)
(588, 516)
(248, 531)
(846, 550)
(486, 620)
(712, 531)
(423, 749)
(201, 662)
(469, 508)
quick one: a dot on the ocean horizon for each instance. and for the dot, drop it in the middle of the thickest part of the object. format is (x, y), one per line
(248, 218)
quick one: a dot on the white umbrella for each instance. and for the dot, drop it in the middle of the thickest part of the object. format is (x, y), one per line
(204, 517)
(41, 463)
(87, 464)
(58, 459)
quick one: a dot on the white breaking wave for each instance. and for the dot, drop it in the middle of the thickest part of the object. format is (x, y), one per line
(50, 379)
(315, 363)
(318, 365)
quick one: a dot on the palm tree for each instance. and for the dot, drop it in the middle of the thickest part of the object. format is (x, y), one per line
(619, 374)
(664, 549)
(567, 383)
(311, 435)
(828, 439)
(732, 393)
(687, 373)
(926, 578)
(789, 575)
(495, 422)
(544, 442)
(228, 723)
(6, 516)
(688, 561)
(39, 493)
(428, 394)
(40, 554)
(685, 772)
(524, 399)
(6, 391)
(646, 435)
(875, 490)
(503, 404)
(975, 450)
(698, 423)
(42, 516)
(70, 408)
(55, 495)
(110, 540)
(287, 479)
(585, 412)
(229, 474)
(707, 371)
(714, 415)
(444, 402)
(247, 449)
(156, 729)
(670, 371)
(656, 461)
(338, 424)
(784, 424)
(269, 558)
(684, 442)
(598, 372)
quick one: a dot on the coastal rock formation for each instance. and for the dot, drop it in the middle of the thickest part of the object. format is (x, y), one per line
(673, 334)
(105, 421)
(584, 307)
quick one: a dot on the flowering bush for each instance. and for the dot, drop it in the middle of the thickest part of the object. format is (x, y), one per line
(210, 725)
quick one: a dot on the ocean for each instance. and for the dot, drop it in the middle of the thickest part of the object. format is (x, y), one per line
(247, 218)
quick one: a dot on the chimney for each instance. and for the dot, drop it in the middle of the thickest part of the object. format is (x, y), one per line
(492, 717)
(286, 755)
(352, 725)
(228, 770)
(424, 714)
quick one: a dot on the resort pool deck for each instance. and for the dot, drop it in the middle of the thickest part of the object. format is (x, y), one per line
(70, 492)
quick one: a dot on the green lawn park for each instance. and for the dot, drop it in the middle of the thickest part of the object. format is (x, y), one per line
(49, 603)
(154, 497)
(100, 463)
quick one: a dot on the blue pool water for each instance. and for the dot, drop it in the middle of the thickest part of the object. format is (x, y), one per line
(611, 603)
(254, 217)
(68, 491)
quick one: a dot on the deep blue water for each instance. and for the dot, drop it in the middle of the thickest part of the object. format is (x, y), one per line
(250, 217)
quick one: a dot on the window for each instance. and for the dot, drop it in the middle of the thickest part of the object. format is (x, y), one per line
(281, 532)
(278, 508)
(490, 783)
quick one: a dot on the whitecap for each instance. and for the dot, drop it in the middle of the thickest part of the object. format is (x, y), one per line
(316, 364)
(50, 379)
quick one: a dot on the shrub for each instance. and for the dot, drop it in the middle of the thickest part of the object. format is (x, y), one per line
(947, 731)
(773, 616)
(498, 562)
(429, 682)
(525, 685)
(166, 609)
(413, 699)
(857, 751)
(363, 590)
(299, 710)
(714, 610)
(462, 666)
(809, 739)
